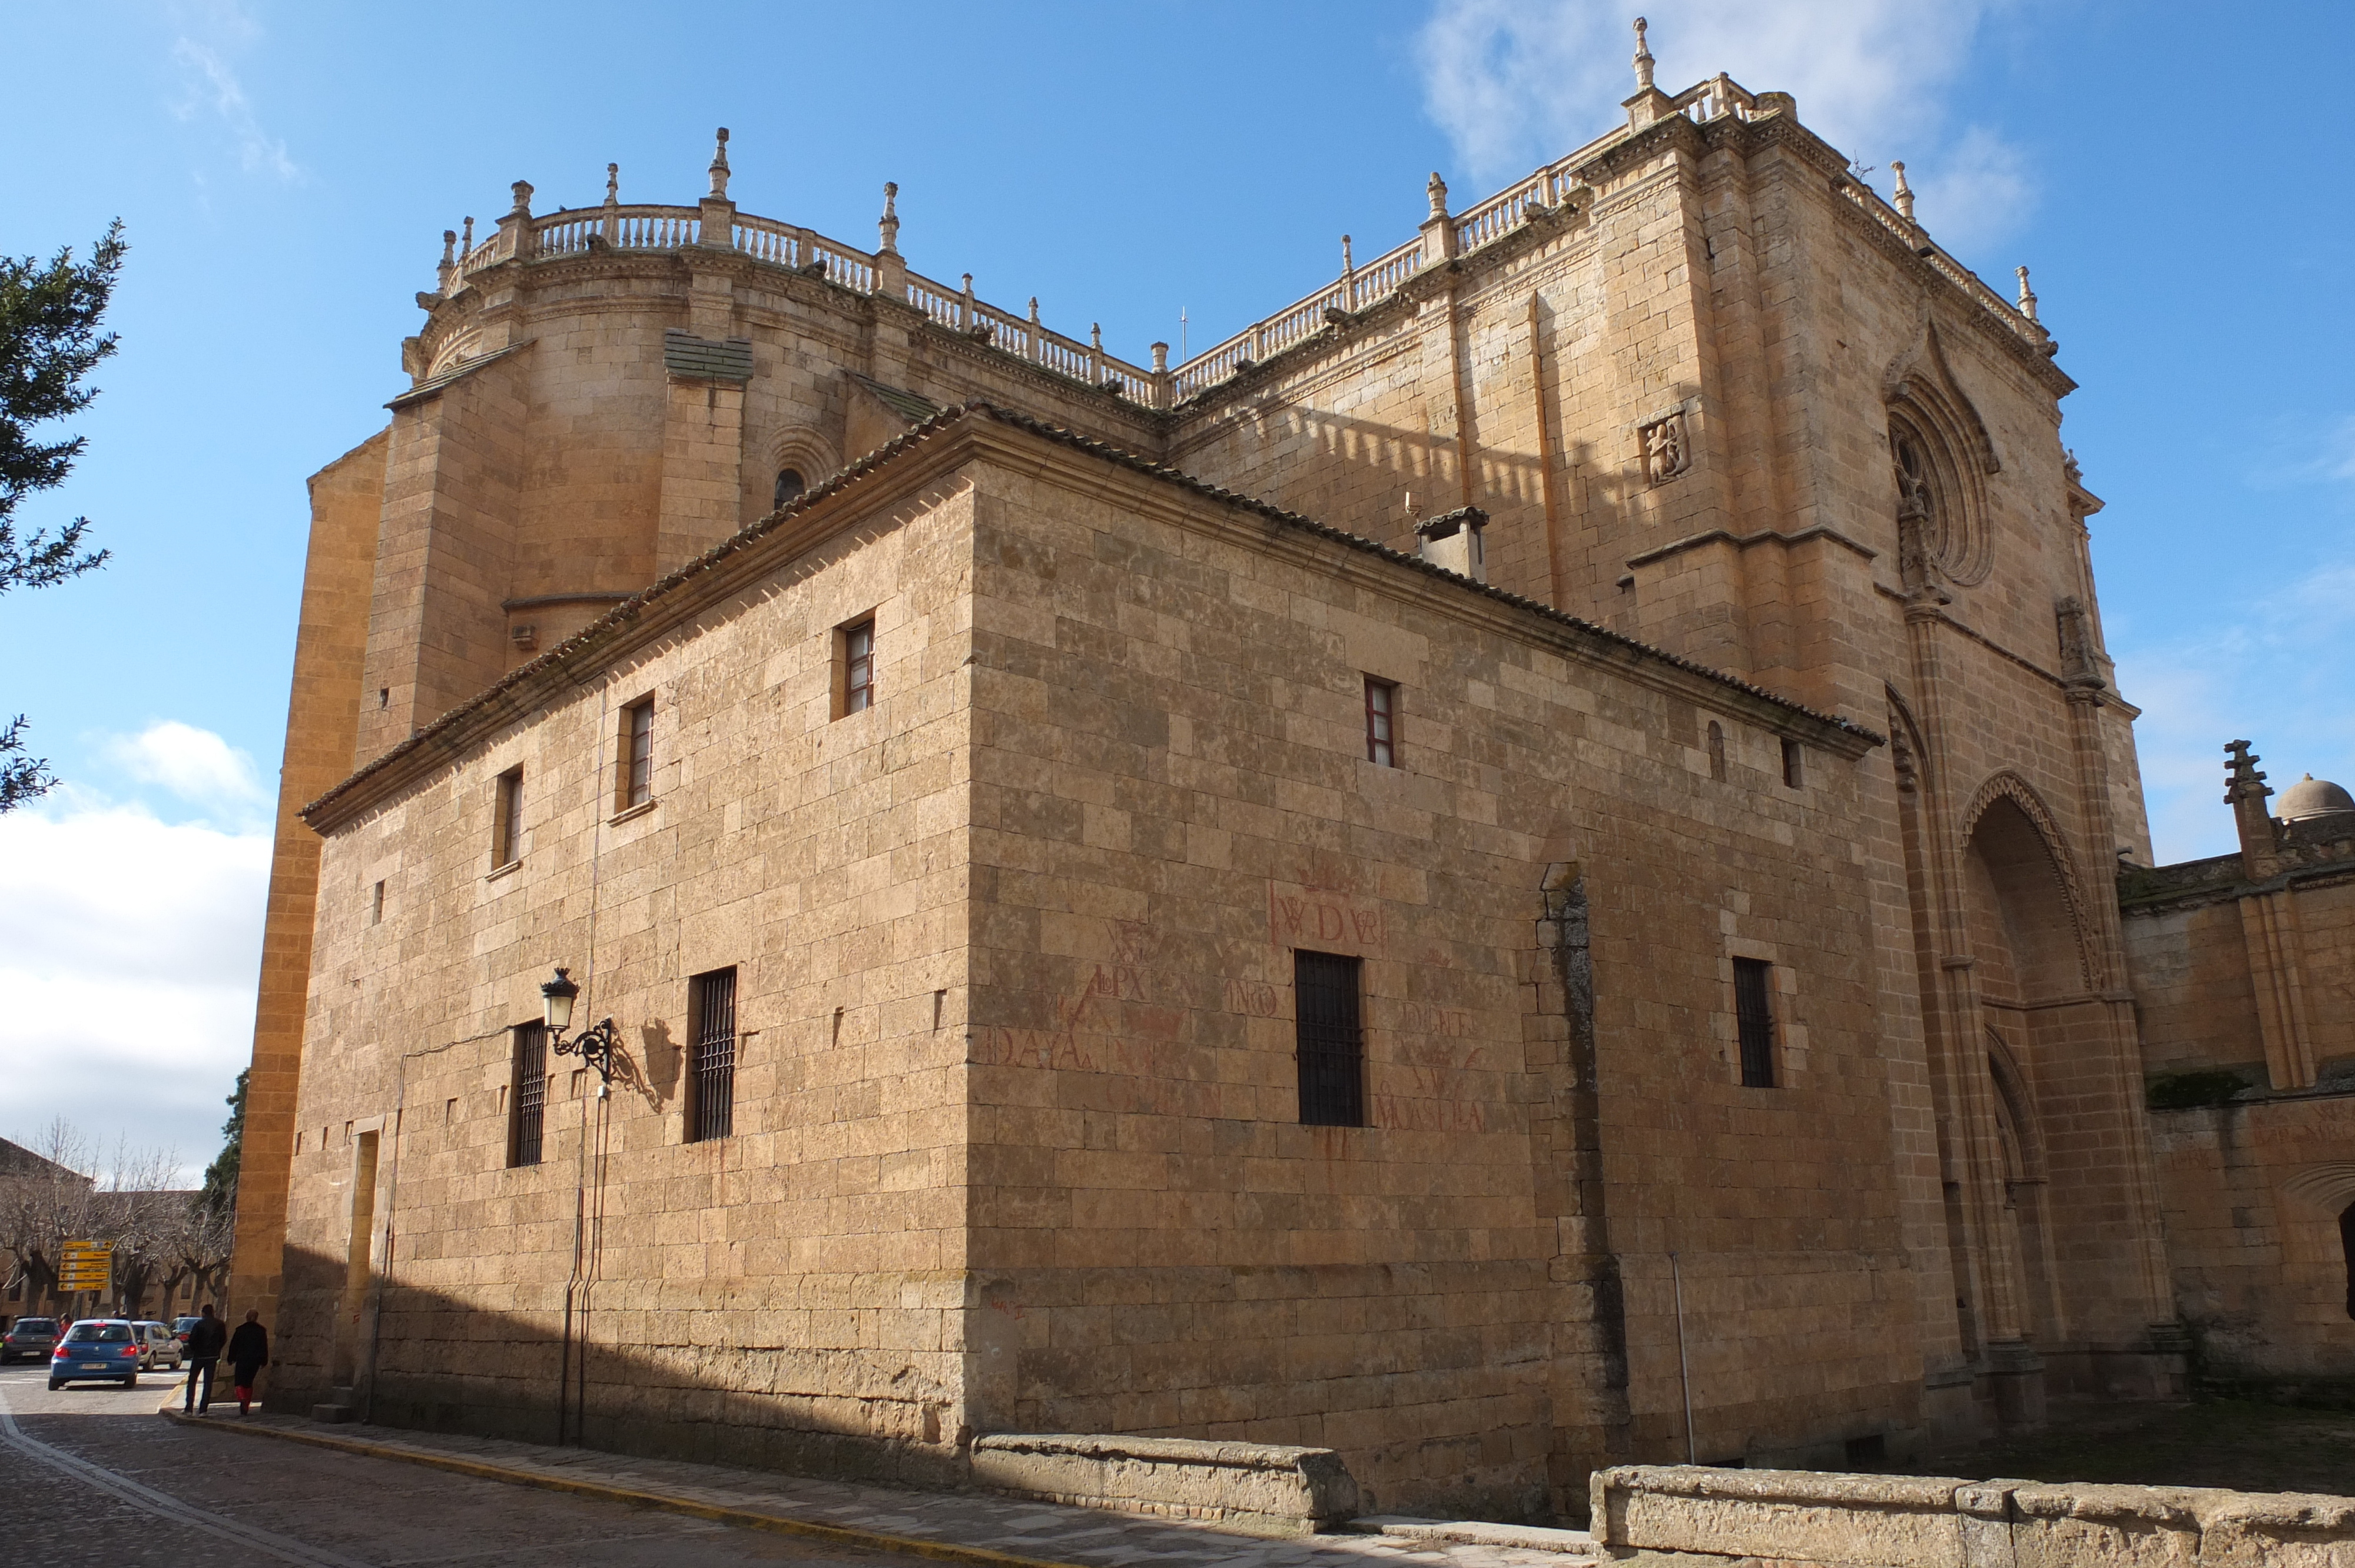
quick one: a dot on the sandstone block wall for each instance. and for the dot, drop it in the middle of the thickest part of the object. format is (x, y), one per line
(1017, 1138)
(1172, 798)
(760, 1294)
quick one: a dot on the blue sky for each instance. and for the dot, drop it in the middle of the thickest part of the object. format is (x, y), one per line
(285, 172)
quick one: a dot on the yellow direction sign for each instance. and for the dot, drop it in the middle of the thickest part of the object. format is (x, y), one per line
(86, 1265)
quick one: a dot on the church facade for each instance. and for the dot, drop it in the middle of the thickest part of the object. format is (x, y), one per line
(1513, 869)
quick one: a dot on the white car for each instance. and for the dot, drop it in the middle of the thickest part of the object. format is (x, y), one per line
(159, 1347)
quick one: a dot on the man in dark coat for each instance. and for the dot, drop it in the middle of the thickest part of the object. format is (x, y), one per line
(205, 1342)
(249, 1352)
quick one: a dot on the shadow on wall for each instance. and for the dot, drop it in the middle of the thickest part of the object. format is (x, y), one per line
(444, 1365)
(1355, 475)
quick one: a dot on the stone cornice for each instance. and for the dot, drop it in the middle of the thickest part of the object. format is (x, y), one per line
(943, 445)
(1745, 541)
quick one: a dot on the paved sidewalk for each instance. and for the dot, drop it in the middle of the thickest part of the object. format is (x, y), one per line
(994, 1532)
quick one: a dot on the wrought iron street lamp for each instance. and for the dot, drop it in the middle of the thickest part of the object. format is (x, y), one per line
(596, 1045)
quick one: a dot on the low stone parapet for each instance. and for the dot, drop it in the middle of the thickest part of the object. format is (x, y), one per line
(1266, 1489)
(1807, 1516)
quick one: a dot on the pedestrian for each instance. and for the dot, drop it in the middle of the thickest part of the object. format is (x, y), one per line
(249, 1352)
(205, 1342)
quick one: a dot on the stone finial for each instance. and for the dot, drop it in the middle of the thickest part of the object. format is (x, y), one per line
(1095, 336)
(2027, 295)
(466, 240)
(1160, 359)
(720, 167)
(1643, 61)
(888, 226)
(449, 245)
(1349, 263)
(1902, 197)
(612, 184)
(1436, 189)
(2245, 792)
(2242, 780)
(522, 189)
(1034, 310)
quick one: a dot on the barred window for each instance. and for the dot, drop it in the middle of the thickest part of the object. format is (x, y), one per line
(1331, 1044)
(712, 1060)
(1754, 1015)
(634, 782)
(1382, 722)
(507, 819)
(528, 1097)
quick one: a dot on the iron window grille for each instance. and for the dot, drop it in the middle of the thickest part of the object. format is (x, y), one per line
(506, 820)
(1382, 722)
(637, 779)
(858, 667)
(712, 1066)
(528, 1097)
(1331, 1041)
(1754, 1015)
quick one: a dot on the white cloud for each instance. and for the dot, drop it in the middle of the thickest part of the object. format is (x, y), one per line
(194, 764)
(1974, 191)
(129, 948)
(1515, 84)
(211, 86)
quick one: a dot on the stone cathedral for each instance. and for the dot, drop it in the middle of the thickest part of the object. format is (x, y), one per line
(1533, 861)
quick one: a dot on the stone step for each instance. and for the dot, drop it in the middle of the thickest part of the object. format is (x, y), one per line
(1480, 1533)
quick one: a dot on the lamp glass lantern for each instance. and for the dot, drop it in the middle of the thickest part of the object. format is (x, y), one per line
(556, 997)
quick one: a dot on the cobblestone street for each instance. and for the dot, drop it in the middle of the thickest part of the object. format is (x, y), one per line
(93, 1475)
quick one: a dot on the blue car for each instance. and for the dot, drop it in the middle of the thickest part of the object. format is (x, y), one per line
(97, 1349)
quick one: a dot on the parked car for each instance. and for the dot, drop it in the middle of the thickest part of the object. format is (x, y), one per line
(95, 1348)
(180, 1327)
(27, 1338)
(163, 1347)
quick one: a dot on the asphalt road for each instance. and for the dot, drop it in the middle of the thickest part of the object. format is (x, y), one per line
(92, 1475)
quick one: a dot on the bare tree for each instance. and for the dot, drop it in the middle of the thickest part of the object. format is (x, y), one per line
(60, 1189)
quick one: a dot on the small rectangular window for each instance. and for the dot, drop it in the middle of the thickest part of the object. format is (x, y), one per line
(1382, 722)
(507, 819)
(1794, 765)
(376, 905)
(635, 782)
(711, 1059)
(859, 666)
(1753, 1017)
(527, 1103)
(1330, 1042)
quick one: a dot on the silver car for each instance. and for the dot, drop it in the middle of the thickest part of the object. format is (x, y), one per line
(159, 1347)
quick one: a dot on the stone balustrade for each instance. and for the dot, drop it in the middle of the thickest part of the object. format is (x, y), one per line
(618, 227)
(640, 228)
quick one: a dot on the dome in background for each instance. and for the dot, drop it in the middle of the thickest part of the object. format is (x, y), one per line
(2312, 797)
